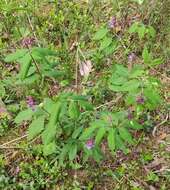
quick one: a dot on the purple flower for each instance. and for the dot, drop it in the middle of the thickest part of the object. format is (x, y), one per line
(112, 22)
(130, 115)
(2, 110)
(141, 121)
(17, 170)
(28, 42)
(131, 57)
(30, 102)
(140, 100)
(90, 144)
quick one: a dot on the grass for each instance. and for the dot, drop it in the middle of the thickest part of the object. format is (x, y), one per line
(63, 26)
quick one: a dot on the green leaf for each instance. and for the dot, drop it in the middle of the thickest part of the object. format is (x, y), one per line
(23, 116)
(73, 151)
(88, 133)
(157, 61)
(153, 97)
(49, 148)
(133, 28)
(139, 1)
(116, 80)
(55, 113)
(120, 144)
(100, 134)
(2, 91)
(151, 31)
(146, 55)
(111, 48)
(63, 154)
(43, 52)
(86, 105)
(15, 56)
(48, 105)
(131, 85)
(25, 63)
(105, 43)
(49, 133)
(77, 132)
(125, 135)
(136, 71)
(135, 125)
(36, 127)
(121, 70)
(141, 31)
(111, 139)
(101, 33)
(73, 110)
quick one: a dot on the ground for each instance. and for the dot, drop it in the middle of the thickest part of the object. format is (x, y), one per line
(63, 26)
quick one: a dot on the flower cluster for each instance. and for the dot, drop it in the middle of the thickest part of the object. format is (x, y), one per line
(28, 42)
(90, 144)
(30, 102)
(112, 22)
(131, 57)
(140, 100)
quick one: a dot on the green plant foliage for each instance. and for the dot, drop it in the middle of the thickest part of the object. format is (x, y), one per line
(36, 127)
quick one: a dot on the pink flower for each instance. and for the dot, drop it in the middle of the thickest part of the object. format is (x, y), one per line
(30, 102)
(112, 22)
(140, 100)
(27, 42)
(131, 57)
(90, 144)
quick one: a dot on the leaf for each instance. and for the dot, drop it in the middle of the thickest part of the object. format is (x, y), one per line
(63, 154)
(100, 34)
(55, 113)
(43, 52)
(73, 151)
(77, 132)
(2, 91)
(85, 68)
(121, 70)
(48, 105)
(141, 31)
(49, 148)
(116, 88)
(23, 116)
(135, 125)
(73, 110)
(36, 127)
(111, 139)
(136, 71)
(105, 43)
(133, 28)
(88, 133)
(151, 31)
(25, 63)
(146, 55)
(125, 135)
(15, 56)
(49, 133)
(131, 85)
(116, 80)
(111, 48)
(120, 144)
(86, 105)
(100, 134)
(139, 1)
(157, 61)
(153, 97)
